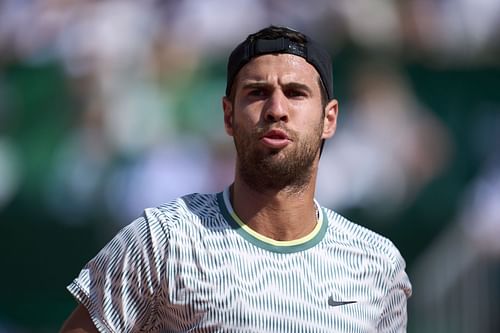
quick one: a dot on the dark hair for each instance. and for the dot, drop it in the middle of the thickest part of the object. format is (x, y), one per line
(275, 39)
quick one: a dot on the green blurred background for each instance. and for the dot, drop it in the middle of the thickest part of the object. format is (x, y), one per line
(108, 107)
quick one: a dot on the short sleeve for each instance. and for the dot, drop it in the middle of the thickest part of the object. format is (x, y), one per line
(119, 285)
(394, 316)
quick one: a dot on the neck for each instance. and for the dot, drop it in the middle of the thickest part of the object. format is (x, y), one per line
(283, 215)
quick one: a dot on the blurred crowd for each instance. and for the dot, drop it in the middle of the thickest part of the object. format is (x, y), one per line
(108, 107)
(143, 123)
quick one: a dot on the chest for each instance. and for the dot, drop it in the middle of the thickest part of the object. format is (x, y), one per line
(243, 288)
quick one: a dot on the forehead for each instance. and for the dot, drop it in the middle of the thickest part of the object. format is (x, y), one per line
(280, 67)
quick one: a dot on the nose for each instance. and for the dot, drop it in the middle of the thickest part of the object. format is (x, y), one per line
(276, 107)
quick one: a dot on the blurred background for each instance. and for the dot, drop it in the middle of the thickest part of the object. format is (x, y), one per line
(108, 107)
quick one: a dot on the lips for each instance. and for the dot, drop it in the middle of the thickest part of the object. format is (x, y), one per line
(276, 139)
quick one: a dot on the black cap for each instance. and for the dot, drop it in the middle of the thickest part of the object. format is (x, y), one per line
(312, 52)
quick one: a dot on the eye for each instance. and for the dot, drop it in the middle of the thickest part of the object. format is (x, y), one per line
(258, 92)
(295, 93)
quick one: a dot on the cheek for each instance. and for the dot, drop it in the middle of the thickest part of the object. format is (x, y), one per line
(246, 119)
(310, 124)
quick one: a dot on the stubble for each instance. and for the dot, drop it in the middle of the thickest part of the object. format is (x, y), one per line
(289, 169)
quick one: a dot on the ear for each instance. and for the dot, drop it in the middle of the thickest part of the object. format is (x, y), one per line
(330, 121)
(227, 106)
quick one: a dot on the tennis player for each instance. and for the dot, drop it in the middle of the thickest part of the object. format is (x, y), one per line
(263, 255)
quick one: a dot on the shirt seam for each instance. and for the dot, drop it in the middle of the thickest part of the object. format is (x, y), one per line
(393, 272)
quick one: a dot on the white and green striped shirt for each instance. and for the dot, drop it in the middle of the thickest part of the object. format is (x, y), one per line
(192, 266)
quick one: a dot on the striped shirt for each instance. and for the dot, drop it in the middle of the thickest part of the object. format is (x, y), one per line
(193, 266)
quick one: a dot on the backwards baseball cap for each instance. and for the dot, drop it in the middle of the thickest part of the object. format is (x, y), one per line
(311, 51)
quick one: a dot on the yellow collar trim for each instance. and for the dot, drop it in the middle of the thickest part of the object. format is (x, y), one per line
(268, 240)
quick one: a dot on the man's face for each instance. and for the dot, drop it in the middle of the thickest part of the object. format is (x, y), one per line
(277, 121)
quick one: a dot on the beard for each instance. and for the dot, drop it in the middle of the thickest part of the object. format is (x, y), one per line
(289, 168)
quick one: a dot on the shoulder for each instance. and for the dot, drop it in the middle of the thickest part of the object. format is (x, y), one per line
(186, 209)
(363, 240)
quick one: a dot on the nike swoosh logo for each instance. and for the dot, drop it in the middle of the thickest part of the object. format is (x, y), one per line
(333, 302)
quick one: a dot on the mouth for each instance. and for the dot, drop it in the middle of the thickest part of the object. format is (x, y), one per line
(276, 139)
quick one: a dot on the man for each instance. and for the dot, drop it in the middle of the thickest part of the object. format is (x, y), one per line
(263, 255)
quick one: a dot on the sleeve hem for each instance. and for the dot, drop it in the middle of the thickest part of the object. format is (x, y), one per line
(82, 297)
